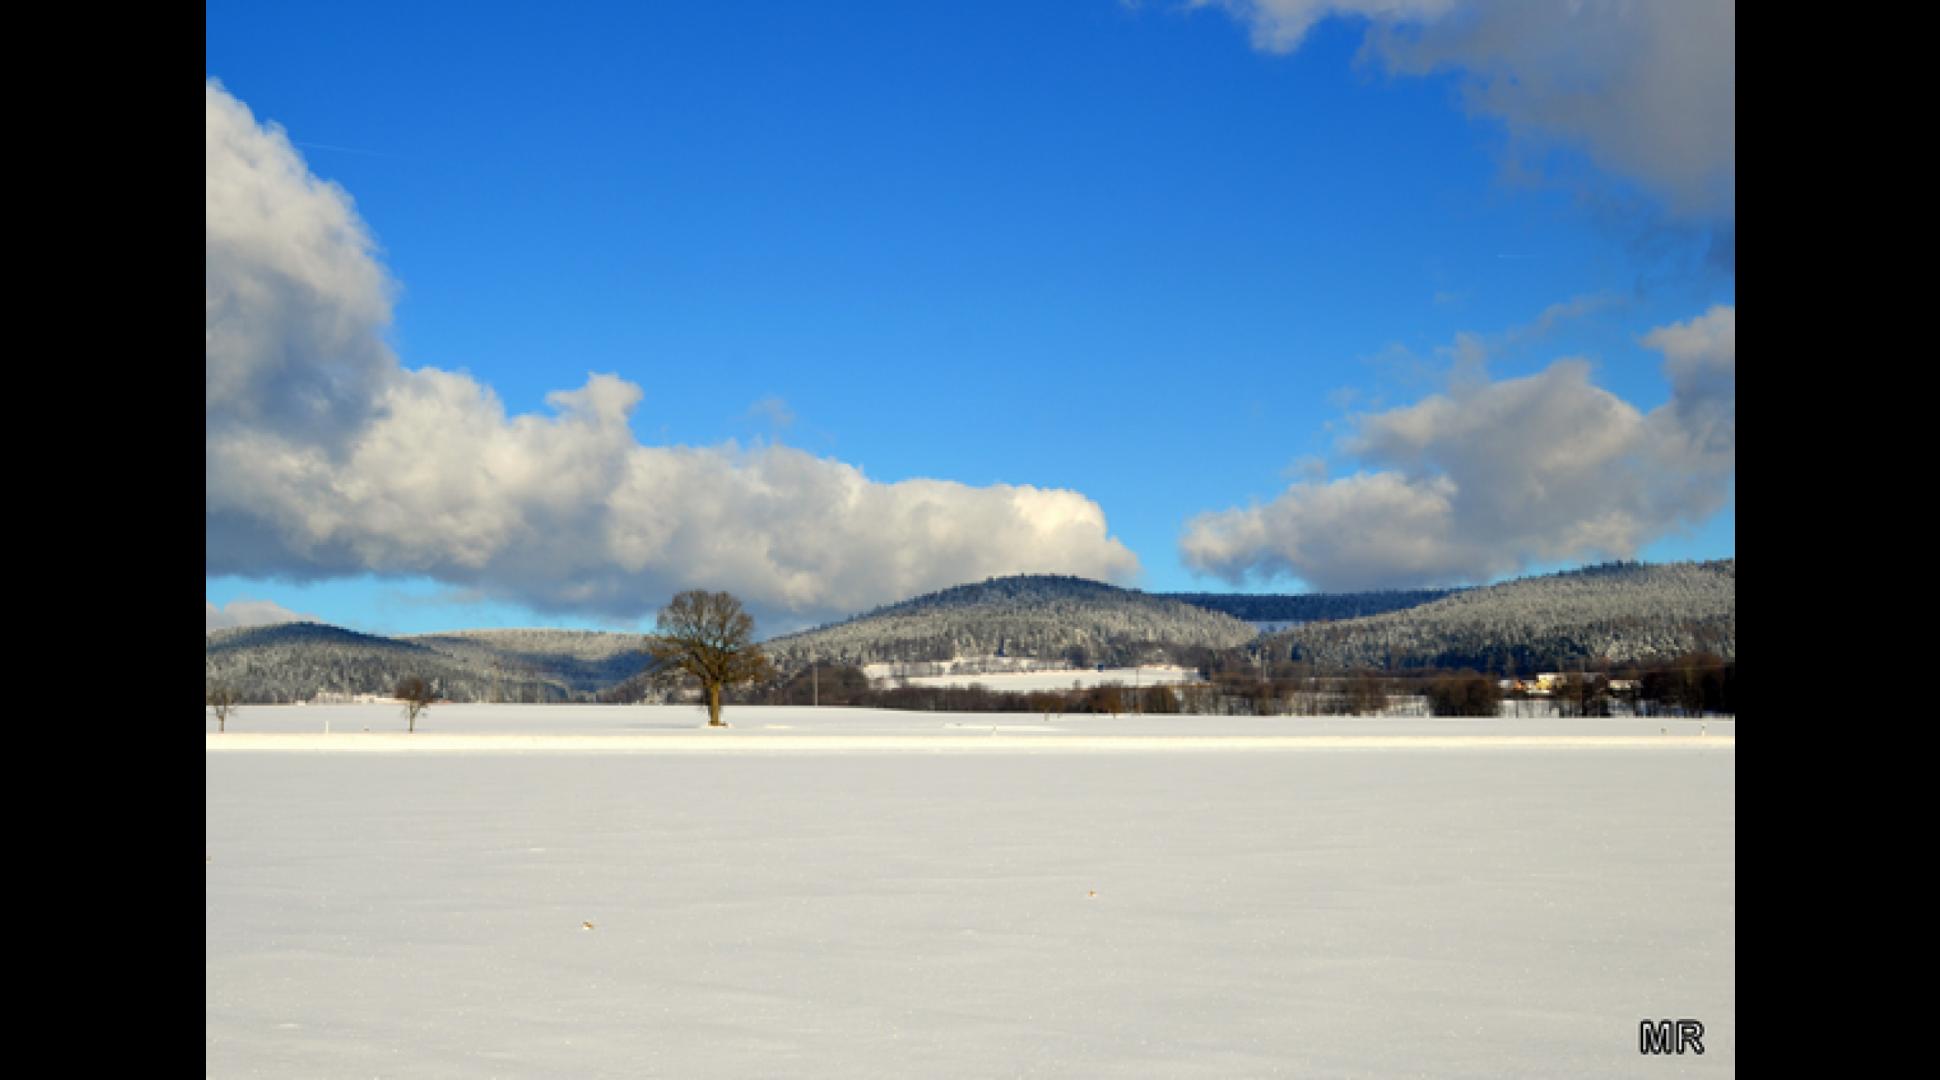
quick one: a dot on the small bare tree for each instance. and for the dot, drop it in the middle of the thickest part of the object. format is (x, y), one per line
(706, 637)
(416, 694)
(1048, 702)
(222, 698)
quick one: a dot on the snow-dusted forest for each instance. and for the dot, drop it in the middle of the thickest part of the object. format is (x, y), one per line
(1616, 613)
(1042, 616)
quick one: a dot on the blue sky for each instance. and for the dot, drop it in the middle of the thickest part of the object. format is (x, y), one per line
(1223, 286)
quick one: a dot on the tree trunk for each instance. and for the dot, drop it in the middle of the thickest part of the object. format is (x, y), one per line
(714, 705)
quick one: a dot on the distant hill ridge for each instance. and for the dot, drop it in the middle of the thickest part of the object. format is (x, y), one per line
(583, 661)
(1615, 612)
(1310, 607)
(1044, 616)
(296, 661)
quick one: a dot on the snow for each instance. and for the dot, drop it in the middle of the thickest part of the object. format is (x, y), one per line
(1024, 681)
(1488, 911)
(664, 722)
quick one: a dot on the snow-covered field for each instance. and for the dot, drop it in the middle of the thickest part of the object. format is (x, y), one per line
(749, 721)
(1408, 911)
(1045, 679)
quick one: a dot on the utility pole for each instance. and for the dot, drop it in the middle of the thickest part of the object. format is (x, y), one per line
(814, 684)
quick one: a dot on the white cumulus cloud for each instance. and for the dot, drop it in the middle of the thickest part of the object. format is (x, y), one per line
(1647, 89)
(238, 613)
(1491, 476)
(325, 456)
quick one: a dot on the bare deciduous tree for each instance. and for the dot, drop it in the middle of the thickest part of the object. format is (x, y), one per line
(416, 694)
(222, 698)
(707, 637)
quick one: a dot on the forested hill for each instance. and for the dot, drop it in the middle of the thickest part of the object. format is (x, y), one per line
(1310, 607)
(296, 661)
(584, 661)
(1041, 616)
(1617, 612)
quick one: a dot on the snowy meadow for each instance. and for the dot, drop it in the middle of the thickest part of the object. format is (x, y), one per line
(884, 903)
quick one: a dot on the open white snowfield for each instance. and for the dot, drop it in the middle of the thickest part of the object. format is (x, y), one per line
(670, 728)
(1429, 908)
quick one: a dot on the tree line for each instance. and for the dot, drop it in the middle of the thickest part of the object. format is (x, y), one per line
(1236, 684)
